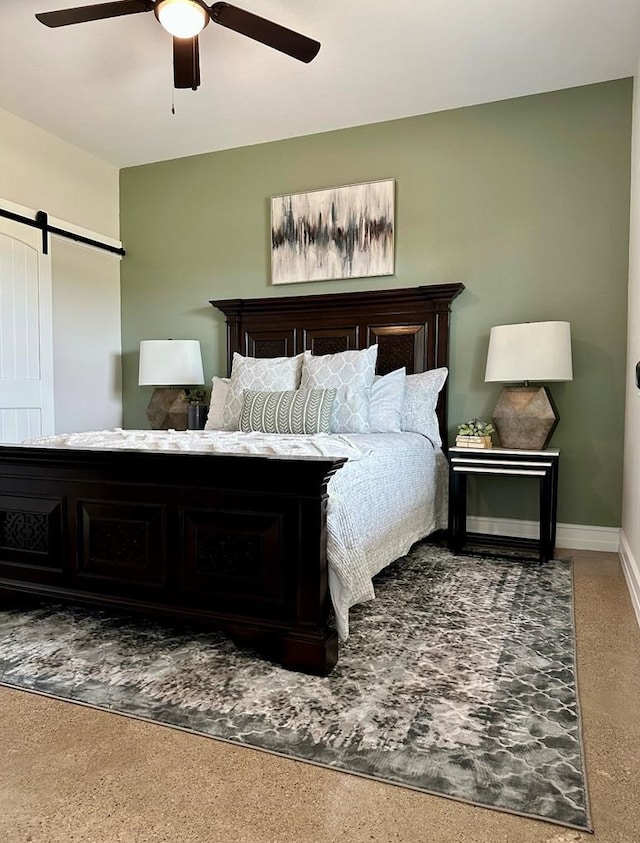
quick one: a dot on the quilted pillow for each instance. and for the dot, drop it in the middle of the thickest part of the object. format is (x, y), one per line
(351, 374)
(219, 390)
(294, 411)
(420, 398)
(260, 374)
(385, 402)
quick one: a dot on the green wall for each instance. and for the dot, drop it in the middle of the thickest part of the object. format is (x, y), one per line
(526, 201)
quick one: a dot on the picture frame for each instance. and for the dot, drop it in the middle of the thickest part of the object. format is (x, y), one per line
(333, 233)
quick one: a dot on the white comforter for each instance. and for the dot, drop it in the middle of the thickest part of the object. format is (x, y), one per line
(378, 507)
(390, 493)
(207, 441)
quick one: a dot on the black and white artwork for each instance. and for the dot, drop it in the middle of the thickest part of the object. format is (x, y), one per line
(341, 232)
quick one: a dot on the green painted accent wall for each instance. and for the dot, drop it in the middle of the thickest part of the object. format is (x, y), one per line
(526, 201)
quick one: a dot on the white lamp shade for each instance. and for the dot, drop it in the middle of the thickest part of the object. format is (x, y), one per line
(170, 363)
(531, 351)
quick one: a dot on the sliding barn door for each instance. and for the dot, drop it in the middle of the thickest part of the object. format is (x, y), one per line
(26, 346)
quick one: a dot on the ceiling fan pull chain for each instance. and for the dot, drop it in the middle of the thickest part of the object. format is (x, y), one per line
(173, 101)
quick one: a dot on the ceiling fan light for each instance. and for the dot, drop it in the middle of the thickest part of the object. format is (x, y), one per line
(182, 18)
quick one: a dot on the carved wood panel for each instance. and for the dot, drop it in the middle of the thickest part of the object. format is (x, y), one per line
(276, 343)
(30, 530)
(227, 554)
(399, 346)
(330, 340)
(117, 542)
(121, 541)
(24, 531)
(230, 551)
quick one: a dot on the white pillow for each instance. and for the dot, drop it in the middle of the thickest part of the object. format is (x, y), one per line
(386, 402)
(272, 374)
(351, 374)
(419, 407)
(219, 390)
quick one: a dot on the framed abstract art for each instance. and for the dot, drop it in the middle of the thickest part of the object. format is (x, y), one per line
(339, 232)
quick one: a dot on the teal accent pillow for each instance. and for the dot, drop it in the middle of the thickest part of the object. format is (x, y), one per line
(293, 411)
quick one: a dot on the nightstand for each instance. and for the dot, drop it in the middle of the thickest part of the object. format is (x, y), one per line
(539, 465)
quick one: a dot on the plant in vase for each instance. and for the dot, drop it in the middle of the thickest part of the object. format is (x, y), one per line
(474, 434)
(198, 400)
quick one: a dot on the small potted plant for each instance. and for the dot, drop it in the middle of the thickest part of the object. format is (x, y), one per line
(198, 400)
(474, 434)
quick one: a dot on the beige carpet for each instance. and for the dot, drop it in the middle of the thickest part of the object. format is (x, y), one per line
(73, 774)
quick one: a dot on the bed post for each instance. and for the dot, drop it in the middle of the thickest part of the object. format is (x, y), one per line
(311, 645)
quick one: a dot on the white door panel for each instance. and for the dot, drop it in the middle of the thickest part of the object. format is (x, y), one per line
(26, 350)
(19, 392)
(16, 425)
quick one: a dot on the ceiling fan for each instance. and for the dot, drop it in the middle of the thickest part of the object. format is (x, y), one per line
(185, 19)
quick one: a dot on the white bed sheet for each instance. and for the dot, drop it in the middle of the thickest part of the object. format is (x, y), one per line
(389, 494)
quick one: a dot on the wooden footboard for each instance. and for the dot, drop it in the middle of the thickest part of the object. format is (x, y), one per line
(235, 542)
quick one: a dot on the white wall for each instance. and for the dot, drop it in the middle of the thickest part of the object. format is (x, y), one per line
(41, 172)
(630, 538)
(86, 339)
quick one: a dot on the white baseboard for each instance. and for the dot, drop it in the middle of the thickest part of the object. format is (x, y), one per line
(631, 569)
(576, 536)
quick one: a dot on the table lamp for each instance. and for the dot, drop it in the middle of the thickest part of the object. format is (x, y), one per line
(170, 366)
(525, 416)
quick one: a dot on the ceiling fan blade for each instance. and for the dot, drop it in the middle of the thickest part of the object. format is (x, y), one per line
(186, 63)
(260, 29)
(65, 17)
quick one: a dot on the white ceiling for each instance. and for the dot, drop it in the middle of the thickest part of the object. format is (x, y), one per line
(106, 86)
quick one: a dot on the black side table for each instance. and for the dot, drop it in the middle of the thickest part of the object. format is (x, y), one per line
(540, 465)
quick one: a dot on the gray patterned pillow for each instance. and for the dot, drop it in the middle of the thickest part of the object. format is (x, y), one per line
(294, 411)
(420, 398)
(351, 373)
(260, 374)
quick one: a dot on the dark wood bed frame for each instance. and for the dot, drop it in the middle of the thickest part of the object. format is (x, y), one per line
(234, 542)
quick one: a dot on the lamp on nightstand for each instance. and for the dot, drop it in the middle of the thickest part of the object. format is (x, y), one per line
(169, 365)
(525, 416)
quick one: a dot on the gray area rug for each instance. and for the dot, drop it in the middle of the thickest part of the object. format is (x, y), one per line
(459, 680)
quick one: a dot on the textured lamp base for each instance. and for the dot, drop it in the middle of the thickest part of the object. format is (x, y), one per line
(525, 417)
(167, 408)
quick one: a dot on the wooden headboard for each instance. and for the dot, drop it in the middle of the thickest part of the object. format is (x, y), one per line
(410, 325)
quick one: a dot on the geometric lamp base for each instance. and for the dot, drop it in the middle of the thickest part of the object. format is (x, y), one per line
(167, 409)
(525, 417)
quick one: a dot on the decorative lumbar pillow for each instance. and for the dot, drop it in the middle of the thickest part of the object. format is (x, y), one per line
(219, 390)
(351, 374)
(259, 374)
(293, 411)
(386, 401)
(419, 407)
